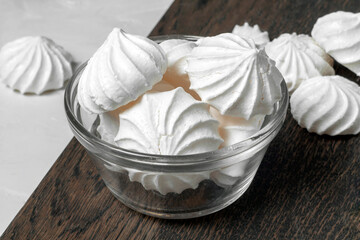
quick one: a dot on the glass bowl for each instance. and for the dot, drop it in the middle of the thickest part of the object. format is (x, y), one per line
(174, 187)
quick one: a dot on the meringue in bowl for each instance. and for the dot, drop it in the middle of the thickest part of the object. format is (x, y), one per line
(173, 186)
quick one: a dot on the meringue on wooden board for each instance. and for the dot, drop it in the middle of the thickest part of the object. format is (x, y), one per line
(327, 105)
(299, 57)
(339, 34)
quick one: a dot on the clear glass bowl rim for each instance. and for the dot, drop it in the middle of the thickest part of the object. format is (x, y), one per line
(206, 157)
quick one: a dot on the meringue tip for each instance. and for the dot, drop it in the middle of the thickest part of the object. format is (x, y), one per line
(121, 70)
(211, 70)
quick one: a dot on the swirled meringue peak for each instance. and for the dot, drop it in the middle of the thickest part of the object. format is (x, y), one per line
(298, 58)
(260, 38)
(232, 75)
(109, 121)
(34, 64)
(121, 70)
(327, 105)
(168, 123)
(339, 34)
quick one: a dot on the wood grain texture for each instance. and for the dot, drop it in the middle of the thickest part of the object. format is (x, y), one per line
(307, 187)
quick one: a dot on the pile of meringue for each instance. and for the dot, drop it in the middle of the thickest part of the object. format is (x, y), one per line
(169, 98)
(183, 97)
(321, 102)
(37, 64)
(179, 97)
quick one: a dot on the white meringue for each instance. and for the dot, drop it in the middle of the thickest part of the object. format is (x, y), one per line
(327, 105)
(298, 58)
(34, 65)
(339, 34)
(121, 70)
(177, 51)
(109, 121)
(235, 129)
(168, 123)
(228, 176)
(260, 38)
(232, 75)
(165, 182)
(109, 125)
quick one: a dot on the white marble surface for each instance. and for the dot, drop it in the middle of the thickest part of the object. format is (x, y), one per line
(34, 129)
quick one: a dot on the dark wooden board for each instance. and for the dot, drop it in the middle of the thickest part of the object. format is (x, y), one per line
(307, 187)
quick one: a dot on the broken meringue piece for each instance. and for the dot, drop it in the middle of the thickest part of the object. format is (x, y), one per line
(34, 65)
(327, 105)
(177, 51)
(121, 70)
(168, 123)
(298, 58)
(232, 75)
(260, 38)
(339, 34)
(235, 129)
